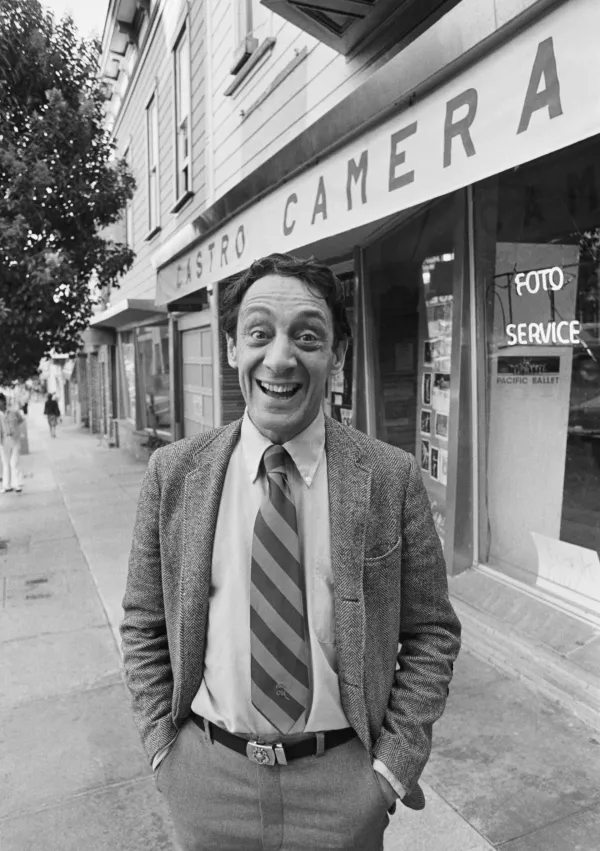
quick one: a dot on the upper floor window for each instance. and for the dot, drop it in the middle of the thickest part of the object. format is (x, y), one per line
(152, 164)
(183, 145)
(128, 209)
(245, 42)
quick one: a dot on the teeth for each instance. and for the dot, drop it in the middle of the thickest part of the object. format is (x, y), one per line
(278, 388)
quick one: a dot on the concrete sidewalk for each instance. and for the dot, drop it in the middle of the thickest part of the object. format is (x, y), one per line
(509, 769)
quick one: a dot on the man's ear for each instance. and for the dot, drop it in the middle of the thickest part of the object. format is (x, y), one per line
(231, 352)
(339, 356)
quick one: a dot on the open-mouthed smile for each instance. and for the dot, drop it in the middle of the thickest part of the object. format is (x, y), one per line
(279, 390)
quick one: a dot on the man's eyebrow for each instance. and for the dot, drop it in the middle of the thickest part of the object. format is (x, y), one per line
(311, 313)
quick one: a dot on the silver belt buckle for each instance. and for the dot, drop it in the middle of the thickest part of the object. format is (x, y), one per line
(265, 754)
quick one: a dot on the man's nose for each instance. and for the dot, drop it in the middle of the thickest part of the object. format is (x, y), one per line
(280, 354)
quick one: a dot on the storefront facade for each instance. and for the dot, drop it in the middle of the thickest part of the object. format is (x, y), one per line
(466, 228)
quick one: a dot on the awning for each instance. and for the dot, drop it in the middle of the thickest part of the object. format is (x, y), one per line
(127, 313)
(533, 95)
(93, 337)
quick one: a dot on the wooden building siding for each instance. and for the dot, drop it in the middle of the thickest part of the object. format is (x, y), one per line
(157, 75)
(254, 123)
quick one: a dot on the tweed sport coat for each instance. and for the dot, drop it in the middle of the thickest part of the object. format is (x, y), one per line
(390, 587)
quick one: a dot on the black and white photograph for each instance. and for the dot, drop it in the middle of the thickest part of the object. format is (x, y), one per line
(426, 389)
(425, 422)
(428, 353)
(433, 470)
(440, 394)
(441, 425)
(425, 455)
(253, 593)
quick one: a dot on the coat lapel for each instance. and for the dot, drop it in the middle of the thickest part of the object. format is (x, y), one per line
(349, 492)
(202, 496)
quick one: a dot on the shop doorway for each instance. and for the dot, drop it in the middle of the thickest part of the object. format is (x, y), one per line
(411, 280)
(197, 373)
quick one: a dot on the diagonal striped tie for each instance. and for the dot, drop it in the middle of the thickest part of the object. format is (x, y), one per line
(279, 652)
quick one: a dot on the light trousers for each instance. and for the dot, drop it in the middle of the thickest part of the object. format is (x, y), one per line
(220, 801)
(10, 454)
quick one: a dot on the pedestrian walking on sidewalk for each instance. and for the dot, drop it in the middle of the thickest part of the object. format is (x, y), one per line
(52, 412)
(277, 563)
(11, 423)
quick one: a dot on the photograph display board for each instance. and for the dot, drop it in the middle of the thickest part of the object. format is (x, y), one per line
(436, 307)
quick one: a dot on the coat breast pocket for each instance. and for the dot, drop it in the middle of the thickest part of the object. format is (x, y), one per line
(381, 551)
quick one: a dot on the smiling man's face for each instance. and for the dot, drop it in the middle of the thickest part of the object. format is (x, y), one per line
(284, 354)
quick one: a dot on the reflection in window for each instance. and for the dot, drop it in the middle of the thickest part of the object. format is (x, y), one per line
(410, 284)
(127, 375)
(154, 372)
(538, 272)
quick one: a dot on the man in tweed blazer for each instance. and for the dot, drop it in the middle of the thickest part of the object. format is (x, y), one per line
(380, 631)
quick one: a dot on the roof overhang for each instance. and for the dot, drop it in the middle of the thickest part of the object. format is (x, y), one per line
(129, 312)
(348, 25)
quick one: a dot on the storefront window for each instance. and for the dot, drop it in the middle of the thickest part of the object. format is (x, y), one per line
(154, 376)
(410, 281)
(340, 398)
(127, 375)
(538, 281)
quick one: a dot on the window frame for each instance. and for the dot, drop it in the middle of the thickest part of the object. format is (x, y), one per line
(153, 164)
(182, 192)
(128, 214)
(245, 41)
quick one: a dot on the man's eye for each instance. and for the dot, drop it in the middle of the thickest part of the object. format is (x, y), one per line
(308, 338)
(257, 334)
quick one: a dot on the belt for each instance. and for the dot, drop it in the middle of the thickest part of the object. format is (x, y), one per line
(277, 752)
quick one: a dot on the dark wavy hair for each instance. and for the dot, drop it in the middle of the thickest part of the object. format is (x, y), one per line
(316, 275)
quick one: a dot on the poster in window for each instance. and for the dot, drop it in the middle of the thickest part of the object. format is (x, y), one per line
(440, 394)
(441, 425)
(337, 383)
(434, 467)
(439, 316)
(425, 455)
(443, 466)
(129, 369)
(425, 422)
(426, 389)
(346, 416)
(427, 353)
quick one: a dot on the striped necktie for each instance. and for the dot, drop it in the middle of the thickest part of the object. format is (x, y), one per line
(279, 651)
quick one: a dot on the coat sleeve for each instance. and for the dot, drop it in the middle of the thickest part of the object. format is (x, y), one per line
(147, 663)
(429, 639)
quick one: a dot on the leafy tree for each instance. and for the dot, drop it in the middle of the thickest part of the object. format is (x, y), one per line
(61, 187)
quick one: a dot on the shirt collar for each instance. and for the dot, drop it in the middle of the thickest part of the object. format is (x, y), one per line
(305, 449)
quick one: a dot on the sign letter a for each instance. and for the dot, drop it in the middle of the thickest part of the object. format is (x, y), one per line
(544, 67)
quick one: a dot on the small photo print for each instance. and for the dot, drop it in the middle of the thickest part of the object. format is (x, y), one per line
(441, 425)
(346, 416)
(426, 389)
(425, 422)
(425, 455)
(427, 353)
(443, 466)
(435, 463)
(441, 392)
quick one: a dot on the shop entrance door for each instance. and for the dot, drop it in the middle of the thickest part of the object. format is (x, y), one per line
(197, 373)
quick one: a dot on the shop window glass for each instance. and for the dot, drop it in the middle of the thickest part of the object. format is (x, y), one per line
(411, 275)
(127, 375)
(340, 402)
(154, 376)
(538, 281)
